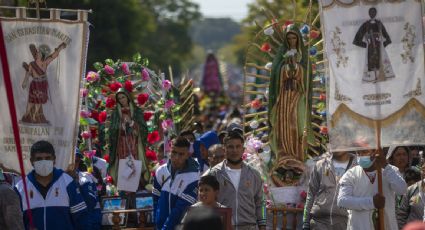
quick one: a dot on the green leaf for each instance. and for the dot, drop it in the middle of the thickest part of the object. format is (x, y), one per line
(163, 116)
(98, 66)
(137, 58)
(109, 62)
(83, 121)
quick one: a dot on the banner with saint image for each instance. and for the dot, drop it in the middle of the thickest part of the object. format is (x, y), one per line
(375, 60)
(46, 60)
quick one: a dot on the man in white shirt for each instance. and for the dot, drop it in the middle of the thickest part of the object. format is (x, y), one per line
(359, 192)
(241, 187)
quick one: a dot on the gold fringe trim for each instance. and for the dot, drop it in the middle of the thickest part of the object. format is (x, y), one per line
(343, 109)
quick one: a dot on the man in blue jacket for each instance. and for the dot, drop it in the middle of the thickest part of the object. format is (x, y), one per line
(55, 199)
(175, 186)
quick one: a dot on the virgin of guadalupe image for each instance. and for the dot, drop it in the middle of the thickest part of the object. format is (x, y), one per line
(287, 96)
(38, 93)
(126, 133)
(373, 36)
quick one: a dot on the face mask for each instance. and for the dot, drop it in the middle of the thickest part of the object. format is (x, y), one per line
(364, 161)
(43, 167)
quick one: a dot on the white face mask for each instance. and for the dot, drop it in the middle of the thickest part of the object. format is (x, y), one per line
(43, 167)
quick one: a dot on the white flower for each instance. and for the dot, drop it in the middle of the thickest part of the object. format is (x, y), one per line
(268, 31)
(254, 124)
(268, 65)
(291, 52)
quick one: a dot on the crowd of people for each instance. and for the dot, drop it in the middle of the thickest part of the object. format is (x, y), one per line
(205, 171)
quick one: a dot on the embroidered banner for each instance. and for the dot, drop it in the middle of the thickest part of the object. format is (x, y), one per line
(46, 61)
(375, 59)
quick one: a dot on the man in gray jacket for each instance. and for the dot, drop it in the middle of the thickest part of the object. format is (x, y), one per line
(321, 210)
(241, 187)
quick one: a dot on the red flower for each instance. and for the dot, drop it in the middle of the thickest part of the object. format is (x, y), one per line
(266, 47)
(110, 103)
(106, 158)
(322, 96)
(300, 205)
(128, 85)
(109, 180)
(150, 154)
(314, 34)
(256, 104)
(142, 98)
(324, 130)
(147, 115)
(115, 86)
(303, 195)
(153, 137)
(94, 114)
(93, 131)
(289, 22)
(85, 134)
(102, 117)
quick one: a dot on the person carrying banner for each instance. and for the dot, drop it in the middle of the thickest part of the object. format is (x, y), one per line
(321, 211)
(175, 186)
(358, 192)
(54, 197)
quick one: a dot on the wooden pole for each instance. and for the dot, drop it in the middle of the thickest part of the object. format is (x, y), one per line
(381, 221)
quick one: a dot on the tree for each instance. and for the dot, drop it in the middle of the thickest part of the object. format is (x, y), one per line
(156, 28)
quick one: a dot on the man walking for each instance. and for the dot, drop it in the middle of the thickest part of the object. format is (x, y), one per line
(241, 187)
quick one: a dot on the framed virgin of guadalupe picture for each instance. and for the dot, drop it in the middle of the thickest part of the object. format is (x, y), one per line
(113, 203)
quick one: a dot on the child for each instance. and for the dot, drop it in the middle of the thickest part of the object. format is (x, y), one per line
(208, 188)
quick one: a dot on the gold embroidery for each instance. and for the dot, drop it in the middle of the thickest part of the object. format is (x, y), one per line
(408, 41)
(339, 48)
(377, 96)
(416, 92)
(339, 96)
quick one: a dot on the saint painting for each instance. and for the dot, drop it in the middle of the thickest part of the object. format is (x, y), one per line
(373, 36)
(39, 87)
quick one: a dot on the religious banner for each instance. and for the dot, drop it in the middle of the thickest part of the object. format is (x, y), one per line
(376, 75)
(46, 61)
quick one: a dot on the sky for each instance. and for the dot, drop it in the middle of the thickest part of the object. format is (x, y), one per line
(235, 9)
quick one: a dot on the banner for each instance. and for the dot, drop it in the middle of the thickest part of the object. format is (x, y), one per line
(375, 64)
(46, 61)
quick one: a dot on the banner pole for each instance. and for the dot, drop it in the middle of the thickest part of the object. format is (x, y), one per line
(13, 118)
(379, 174)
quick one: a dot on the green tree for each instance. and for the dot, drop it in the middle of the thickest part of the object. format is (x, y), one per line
(158, 29)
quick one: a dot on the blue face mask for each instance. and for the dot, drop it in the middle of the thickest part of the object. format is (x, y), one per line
(364, 161)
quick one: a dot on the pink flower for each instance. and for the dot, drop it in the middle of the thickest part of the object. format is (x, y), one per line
(166, 84)
(266, 188)
(169, 104)
(84, 114)
(86, 134)
(90, 154)
(109, 70)
(84, 92)
(145, 75)
(167, 124)
(269, 203)
(92, 76)
(314, 34)
(324, 130)
(244, 156)
(163, 161)
(125, 69)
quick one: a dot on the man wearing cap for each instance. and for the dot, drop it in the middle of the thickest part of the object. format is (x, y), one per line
(54, 197)
(358, 191)
(10, 211)
(241, 187)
